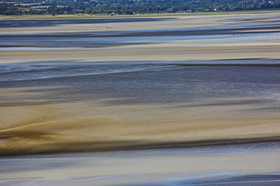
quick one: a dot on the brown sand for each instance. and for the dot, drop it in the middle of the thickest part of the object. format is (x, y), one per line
(92, 126)
(31, 127)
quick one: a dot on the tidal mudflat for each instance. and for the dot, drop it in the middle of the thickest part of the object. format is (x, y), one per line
(189, 100)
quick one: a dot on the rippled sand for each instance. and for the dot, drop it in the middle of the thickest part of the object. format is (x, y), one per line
(240, 168)
(47, 119)
(91, 126)
(248, 36)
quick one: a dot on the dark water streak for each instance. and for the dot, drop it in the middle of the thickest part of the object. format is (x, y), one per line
(146, 82)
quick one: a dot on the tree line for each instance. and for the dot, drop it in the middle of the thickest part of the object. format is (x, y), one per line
(129, 7)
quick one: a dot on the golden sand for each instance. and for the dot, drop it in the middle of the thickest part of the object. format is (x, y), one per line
(93, 126)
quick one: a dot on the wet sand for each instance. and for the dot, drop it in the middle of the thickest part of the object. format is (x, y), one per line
(48, 106)
(70, 128)
(248, 36)
(206, 166)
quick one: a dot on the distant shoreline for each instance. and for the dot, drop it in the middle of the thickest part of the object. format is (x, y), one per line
(101, 16)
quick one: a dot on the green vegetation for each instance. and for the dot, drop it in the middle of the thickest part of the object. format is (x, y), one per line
(130, 7)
